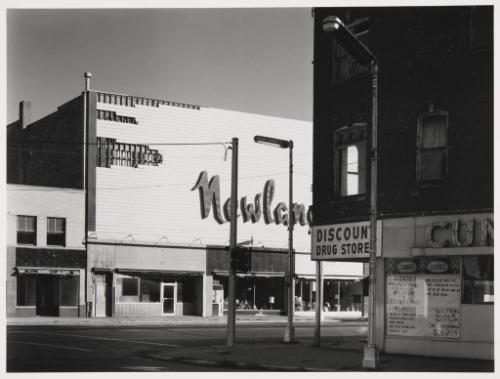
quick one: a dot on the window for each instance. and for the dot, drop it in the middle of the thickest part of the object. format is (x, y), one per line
(56, 231)
(350, 160)
(478, 280)
(130, 287)
(345, 66)
(26, 290)
(150, 291)
(26, 230)
(68, 290)
(481, 28)
(432, 142)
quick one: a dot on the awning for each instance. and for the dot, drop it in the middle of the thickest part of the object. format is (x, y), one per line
(46, 271)
(252, 274)
(143, 272)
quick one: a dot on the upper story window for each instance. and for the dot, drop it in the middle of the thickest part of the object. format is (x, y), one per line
(345, 66)
(481, 27)
(56, 231)
(26, 230)
(432, 146)
(350, 160)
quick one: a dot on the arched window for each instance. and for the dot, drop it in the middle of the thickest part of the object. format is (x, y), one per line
(350, 160)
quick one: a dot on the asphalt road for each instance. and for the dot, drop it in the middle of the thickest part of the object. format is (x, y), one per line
(128, 348)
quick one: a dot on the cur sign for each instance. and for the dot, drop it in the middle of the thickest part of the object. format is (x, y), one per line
(209, 191)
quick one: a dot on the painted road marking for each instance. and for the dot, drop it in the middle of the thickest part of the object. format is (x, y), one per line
(104, 338)
(49, 345)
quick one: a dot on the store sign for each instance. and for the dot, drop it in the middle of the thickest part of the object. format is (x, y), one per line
(47, 271)
(344, 241)
(425, 303)
(459, 233)
(209, 191)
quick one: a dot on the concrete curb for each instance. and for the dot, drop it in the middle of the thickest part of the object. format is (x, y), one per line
(155, 322)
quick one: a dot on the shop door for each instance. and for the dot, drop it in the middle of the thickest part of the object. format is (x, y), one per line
(169, 298)
(47, 295)
(103, 295)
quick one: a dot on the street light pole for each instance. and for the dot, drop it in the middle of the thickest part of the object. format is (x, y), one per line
(284, 144)
(334, 27)
(290, 330)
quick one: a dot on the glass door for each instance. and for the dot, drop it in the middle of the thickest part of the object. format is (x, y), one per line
(168, 298)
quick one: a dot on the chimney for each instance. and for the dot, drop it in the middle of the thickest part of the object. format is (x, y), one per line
(24, 114)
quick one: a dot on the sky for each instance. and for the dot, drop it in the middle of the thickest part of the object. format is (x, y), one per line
(255, 60)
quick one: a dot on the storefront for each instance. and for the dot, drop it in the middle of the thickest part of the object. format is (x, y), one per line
(49, 282)
(438, 286)
(139, 280)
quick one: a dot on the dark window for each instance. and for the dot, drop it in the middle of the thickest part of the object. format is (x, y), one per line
(350, 160)
(345, 66)
(432, 146)
(26, 230)
(150, 291)
(68, 290)
(481, 30)
(130, 287)
(478, 279)
(26, 290)
(56, 231)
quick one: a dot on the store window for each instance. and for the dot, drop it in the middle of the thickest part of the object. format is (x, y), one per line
(150, 291)
(478, 283)
(26, 230)
(56, 231)
(26, 290)
(130, 286)
(345, 66)
(432, 146)
(350, 161)
(68, 290)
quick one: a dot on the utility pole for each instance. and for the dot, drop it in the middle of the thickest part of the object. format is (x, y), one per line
(231, 312)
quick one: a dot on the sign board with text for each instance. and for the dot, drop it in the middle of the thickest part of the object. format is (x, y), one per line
(423, 297)
(343, 241)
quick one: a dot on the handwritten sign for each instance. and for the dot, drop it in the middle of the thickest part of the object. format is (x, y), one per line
(425, 305)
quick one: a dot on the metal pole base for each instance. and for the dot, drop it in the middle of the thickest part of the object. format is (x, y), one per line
(370, 357)
(289, 334)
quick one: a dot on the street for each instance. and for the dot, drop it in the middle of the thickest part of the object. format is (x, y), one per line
(133, 348)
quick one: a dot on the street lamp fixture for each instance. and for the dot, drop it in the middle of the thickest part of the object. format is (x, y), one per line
(336, 29)
(284, 144)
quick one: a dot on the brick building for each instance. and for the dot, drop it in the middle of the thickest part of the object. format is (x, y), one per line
(434, 276)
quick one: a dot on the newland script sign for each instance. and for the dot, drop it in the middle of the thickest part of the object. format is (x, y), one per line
(262, 207)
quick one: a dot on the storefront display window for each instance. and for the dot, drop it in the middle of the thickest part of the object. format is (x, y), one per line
(150, 291)
(423, 297)
(68, 290)
(478, 283)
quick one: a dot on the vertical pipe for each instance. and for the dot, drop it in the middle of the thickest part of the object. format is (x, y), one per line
(231, 319)
(319, 302)
(370, 359)
(290, 330)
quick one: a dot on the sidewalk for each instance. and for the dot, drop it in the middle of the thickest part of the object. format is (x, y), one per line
(176, 320)
(339, 354)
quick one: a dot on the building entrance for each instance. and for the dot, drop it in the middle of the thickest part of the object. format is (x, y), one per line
(169, 298)
(47, 295)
